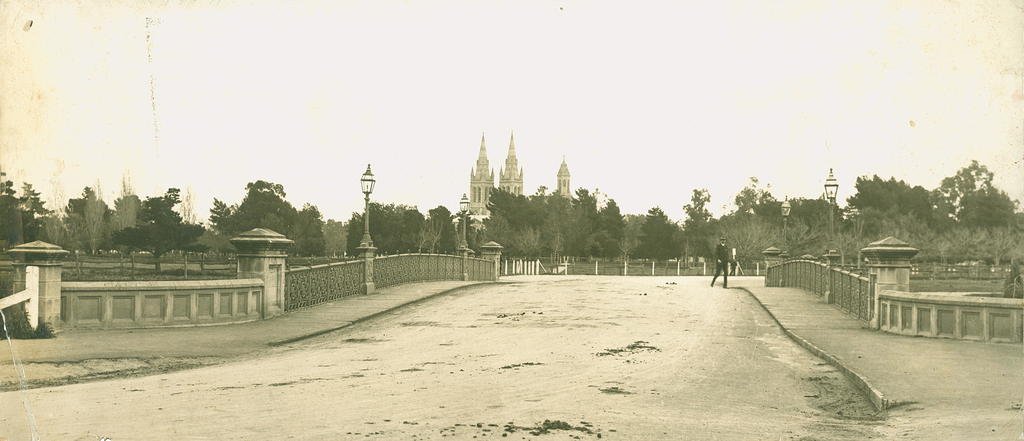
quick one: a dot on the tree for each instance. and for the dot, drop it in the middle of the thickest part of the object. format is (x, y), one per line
(10, 216)
(160, 228)
(393, 228)
(611, 228)
(33, 213)
(264, 206)
(126, 206)
(754, 200)
(970, 197)
(308, 232)
(632, 233)
(335, 236)
(88, 221)
(440, 230)
(187, 207)
(659, 233)
(697, 232)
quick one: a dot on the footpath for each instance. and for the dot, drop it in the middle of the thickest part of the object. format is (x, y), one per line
(82, 355)
(961, 389)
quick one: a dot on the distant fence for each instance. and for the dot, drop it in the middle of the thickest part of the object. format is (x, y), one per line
(620, 267)
(175, 266)
(941, 271)
(851, 292)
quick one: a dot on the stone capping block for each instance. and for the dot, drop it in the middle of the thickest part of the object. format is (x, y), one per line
(37, 251)
(888, 250)
(163, 285)
(771, 252)
(261, 240)
(491, 246)
(952, 298)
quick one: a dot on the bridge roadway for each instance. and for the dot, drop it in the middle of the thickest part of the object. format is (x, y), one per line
(632, 358)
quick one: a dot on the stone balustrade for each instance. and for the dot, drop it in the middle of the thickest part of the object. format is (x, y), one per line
(957, 315)
(155, 304)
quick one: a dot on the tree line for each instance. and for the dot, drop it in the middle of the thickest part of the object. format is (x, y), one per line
(965, 218)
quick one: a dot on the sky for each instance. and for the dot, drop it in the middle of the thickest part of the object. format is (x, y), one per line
(646, 101)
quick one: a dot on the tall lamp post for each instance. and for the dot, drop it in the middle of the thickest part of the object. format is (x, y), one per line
(786, 208)
(831, 187)
(855, 214)
(367, 182)
(463, 210)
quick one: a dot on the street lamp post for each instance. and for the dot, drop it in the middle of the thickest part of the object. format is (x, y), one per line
(463, 211)
(831, 187)
(786, 208)
(367, 183)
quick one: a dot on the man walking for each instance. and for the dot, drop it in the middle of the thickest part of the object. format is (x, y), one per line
(721, 263)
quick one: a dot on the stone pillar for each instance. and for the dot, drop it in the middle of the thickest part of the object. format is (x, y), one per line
(889, 261)
(492, 251)
(464, 253)
(772, 256)
(831, 257)
(261, 255)
(48, 258)
(368, 253)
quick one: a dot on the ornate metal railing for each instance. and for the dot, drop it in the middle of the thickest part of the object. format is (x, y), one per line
(406, 268)
(322, 283)
(852, 293)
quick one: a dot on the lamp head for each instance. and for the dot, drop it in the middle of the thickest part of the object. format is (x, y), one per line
(367, 181)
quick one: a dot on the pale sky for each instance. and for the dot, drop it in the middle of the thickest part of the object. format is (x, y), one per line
(646, 100)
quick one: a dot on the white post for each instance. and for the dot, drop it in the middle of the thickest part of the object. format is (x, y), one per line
(758, 273)
(30, 296)
(677, 267)
(652, 267)
(705, 270)
(595, 267)
(32, 304)
(625, 266)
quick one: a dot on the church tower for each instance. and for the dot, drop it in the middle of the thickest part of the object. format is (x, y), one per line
(563, 180)
(481, 181)
(512, 175)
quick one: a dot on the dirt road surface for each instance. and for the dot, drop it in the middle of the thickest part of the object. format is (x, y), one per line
(535, 358)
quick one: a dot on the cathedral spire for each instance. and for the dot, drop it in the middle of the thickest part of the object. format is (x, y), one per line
(483, 148)
(511, 178)
(512, 146)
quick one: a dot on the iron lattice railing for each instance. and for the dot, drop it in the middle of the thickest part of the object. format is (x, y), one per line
(322, 283)
(852, 293)
(406, 268)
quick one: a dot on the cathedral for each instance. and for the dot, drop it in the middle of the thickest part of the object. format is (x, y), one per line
(481, 178)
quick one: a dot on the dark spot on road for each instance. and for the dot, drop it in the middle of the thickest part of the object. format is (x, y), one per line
(615, 390)
(362, 340)
(412, 369)
(632, 348)
(519, 365)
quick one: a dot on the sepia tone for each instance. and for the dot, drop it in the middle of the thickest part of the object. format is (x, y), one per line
(787, 221)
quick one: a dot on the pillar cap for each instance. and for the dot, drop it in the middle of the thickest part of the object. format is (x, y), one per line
(491, 246)
(261, 239)
(771, 252)
(889, 250)
(38, 251)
